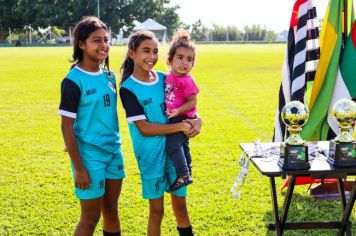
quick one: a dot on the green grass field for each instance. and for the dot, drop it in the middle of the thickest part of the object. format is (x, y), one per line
(239, 92)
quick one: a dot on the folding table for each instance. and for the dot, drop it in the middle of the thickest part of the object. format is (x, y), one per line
(319, 169)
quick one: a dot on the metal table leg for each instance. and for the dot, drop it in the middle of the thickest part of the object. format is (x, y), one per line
(347, 212)
(277, 224)
(287, 201)
(341, 188)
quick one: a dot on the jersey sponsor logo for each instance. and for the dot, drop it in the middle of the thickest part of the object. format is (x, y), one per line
(147, 101)
(101, 184)
(157, 186)
(90, 91)
(163, 107)
(112, 87)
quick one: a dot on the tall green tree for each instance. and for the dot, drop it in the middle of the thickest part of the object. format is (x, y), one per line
(234, 34)
(199, 32)
(10, 15)
(219, 33)
(255, 33)
(168, 17)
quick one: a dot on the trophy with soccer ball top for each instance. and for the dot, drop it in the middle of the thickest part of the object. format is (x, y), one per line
(342, 149)
(294, 151)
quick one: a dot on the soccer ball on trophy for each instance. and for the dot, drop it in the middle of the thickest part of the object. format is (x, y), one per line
(294, 152)
(342, 149)
(294, 114)
(344, 112)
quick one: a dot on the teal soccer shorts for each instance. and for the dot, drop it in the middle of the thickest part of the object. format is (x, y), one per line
(155, 188)
(100, 165)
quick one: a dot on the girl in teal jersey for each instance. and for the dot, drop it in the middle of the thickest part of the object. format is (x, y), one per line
(142, 96)
(90, 129)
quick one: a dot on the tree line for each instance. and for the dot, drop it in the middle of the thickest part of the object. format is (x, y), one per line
(200, 32)
(118, 14)
(18, 15)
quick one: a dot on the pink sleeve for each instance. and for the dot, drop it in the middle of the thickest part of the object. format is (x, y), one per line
(190, 88)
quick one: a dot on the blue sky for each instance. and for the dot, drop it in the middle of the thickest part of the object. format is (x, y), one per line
(274, 14)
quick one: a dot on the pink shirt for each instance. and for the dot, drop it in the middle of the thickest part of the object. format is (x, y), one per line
(177, 89)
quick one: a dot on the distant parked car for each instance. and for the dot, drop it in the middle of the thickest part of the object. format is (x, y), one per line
(64, 39)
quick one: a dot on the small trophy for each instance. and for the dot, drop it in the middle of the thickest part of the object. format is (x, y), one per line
(294, 152)
(342, 149)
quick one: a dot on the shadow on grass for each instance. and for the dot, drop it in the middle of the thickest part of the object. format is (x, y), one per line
(306, 208)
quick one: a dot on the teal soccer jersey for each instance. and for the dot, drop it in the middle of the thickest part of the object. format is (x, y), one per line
(145, 101)
(91, 98)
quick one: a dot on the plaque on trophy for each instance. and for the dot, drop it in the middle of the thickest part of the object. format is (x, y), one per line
(342, 149)
(294, 151)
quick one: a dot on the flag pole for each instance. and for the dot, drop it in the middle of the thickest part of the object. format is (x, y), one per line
(345, 21)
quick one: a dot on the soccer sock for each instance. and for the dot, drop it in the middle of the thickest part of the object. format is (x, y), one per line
(111, 234)
(185, 231)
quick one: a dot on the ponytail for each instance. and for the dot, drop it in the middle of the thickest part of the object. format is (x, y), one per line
(106, 64)
(181, 36)
(126, 69)
(74, 65)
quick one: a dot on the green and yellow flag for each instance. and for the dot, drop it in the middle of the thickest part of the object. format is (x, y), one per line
(325, 88)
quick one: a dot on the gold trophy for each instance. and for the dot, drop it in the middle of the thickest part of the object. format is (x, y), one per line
(294, 151)
(342, 149)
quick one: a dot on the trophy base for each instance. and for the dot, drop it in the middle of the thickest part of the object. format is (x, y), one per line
(293, 166)
(342, 154)
(294, 157)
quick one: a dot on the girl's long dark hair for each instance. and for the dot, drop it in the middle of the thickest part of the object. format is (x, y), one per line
(81, 32)
(135, 40)
(180, 39)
